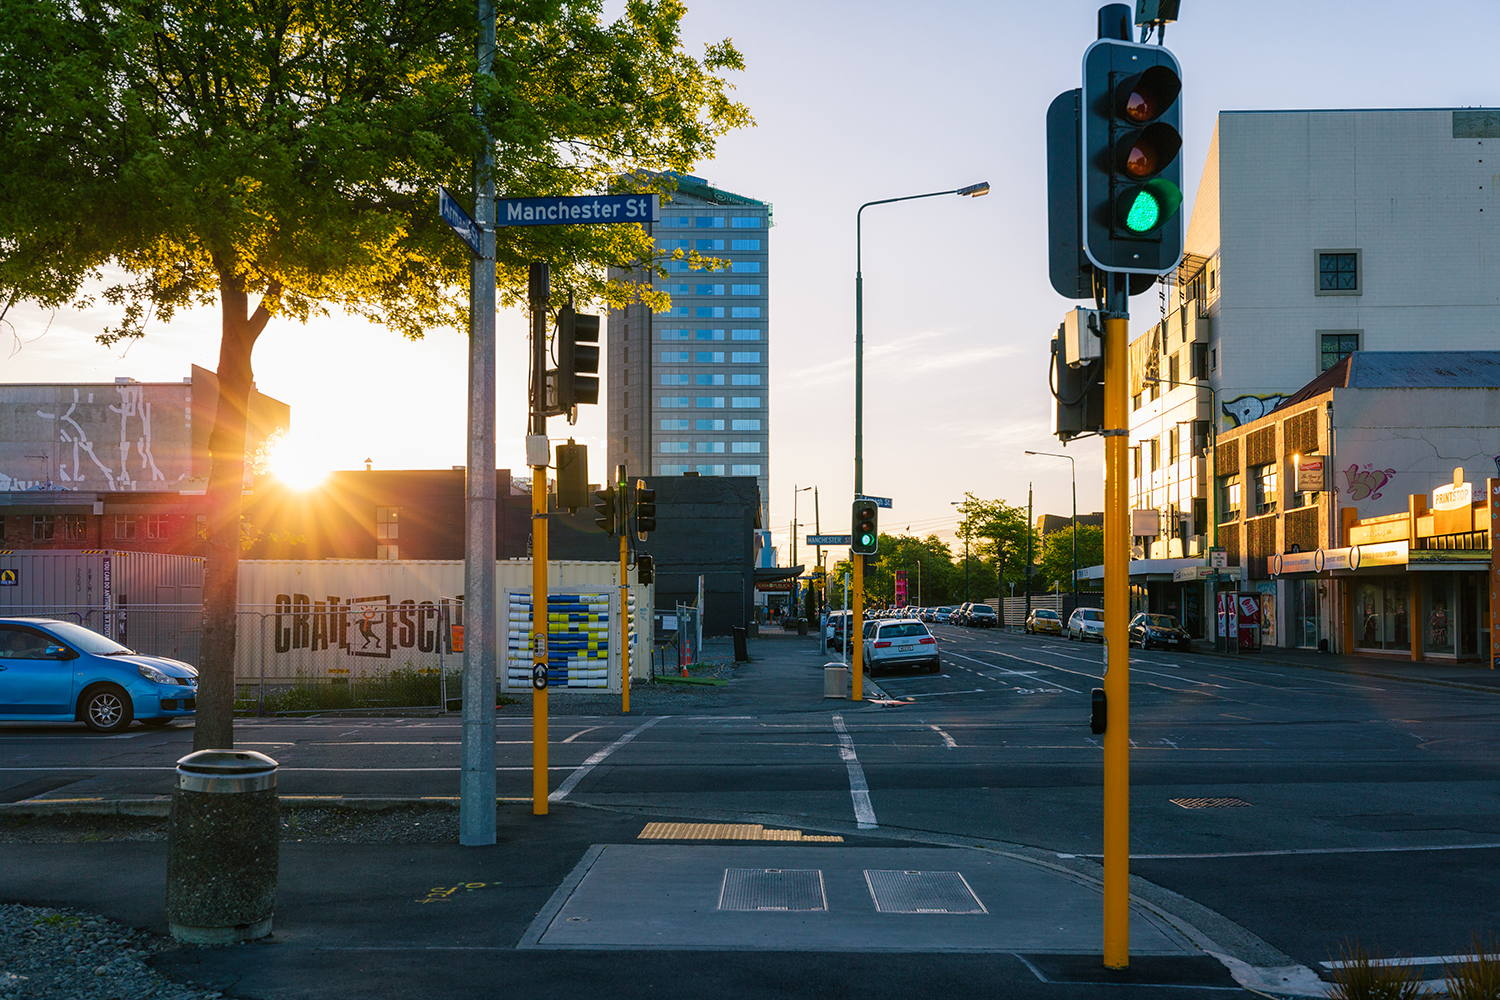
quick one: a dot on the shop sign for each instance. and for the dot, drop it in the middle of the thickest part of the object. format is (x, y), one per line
(1187, 574)
(1310, 474)
(774, 586)
(1455, 495)
(1332, 559)
(1389, 554)
(1218, 558)
(1294, 562)
(1145, 523)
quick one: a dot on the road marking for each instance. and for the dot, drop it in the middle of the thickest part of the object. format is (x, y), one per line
(1390, 962)
(580, 732)
(1299, 851)
(1027, 674)
(947, 740)
(593, 762)
(859, 791)
(943, 694)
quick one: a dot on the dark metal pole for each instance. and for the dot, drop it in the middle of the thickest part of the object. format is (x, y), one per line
(1029, 557)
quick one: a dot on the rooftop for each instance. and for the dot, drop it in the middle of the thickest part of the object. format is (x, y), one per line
(1406, 370)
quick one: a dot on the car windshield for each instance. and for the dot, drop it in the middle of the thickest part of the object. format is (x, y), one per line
(1046, 614)
(1093, 616)
(1160, 621)
(945, 611)
(901, 630)
(85, 639)
(982, 609)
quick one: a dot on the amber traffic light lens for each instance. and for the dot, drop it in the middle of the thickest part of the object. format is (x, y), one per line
(1141, 160)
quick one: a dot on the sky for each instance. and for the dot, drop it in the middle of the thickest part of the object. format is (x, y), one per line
(854, 102)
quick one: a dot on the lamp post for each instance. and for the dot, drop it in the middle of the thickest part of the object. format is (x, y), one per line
(796, 591)
(1049, 454)
(970, 191)
(1213, 485)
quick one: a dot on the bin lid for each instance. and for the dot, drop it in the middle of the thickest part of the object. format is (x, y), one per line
(226, 762)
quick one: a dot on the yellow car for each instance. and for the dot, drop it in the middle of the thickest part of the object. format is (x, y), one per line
(1043, 620)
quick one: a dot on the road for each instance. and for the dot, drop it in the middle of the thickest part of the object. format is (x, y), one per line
(1304, 806)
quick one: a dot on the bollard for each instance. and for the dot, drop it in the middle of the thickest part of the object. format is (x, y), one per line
(223, 847)
(741, 650)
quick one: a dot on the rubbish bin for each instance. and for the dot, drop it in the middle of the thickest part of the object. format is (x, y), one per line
(801, 626)
(223, 847)
(741, 650)
(835, 680)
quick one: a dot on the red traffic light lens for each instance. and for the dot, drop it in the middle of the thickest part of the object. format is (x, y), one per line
(1146, 97)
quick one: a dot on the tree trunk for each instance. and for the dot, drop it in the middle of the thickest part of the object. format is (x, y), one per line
(214, 728)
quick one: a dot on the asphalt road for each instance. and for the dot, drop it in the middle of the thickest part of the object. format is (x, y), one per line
(1367, 808)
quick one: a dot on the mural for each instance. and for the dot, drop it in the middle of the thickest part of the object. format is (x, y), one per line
(1243, 409)
(1367, 482)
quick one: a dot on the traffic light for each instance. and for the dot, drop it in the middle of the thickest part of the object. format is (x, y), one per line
(577, 359)
(645, 509)
(645, 569)
(866, 529)
(572, 475)
(1131, 140)
(605, 505)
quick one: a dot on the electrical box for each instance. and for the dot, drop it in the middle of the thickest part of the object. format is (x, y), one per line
(1081, 343)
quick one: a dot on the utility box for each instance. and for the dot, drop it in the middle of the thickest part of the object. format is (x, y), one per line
(1081, 336)
(835, 681)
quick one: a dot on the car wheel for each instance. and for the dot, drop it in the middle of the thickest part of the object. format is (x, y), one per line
(158, 723)
(107, 709)
(934, 666)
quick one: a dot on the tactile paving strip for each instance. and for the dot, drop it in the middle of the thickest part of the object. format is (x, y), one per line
(757, 889)
(922, 892)
(728, 831)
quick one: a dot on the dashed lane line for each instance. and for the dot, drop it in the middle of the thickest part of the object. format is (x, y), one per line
(583, 769)
(859, 790)
(1028, 674)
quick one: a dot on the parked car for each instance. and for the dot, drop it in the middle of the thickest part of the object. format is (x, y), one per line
(1160, 630)
(1043, 621)
(833, 627)
(960, 615)
(982, 616)
(943, 615)
(898, 643)
(53, 671)
(1086, 623)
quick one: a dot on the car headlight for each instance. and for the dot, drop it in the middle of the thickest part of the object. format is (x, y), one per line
(153, 675)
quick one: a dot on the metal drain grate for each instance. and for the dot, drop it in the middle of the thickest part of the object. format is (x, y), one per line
(772, 889)
(922, 892)
(1223, 802)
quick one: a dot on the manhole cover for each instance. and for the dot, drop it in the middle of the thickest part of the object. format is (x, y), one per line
(1223, 802)
(922, 892)
(772, 889)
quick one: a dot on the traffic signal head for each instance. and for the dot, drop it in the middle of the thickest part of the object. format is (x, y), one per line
(645, 569)
(1131, 165)
(577, 359)
(865, 529)
(645, 510)
(605, 507)
(572, 475)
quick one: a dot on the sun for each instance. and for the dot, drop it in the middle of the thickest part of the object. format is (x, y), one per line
(296, 464)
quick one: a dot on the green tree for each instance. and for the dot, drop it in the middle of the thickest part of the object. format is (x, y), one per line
(1057, 554)
(930, 557)
(278, 158)
(997, 532)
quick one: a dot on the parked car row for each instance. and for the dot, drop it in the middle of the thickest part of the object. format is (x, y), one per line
(1145, 630)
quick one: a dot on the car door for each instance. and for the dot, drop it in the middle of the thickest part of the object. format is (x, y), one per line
(31, 681)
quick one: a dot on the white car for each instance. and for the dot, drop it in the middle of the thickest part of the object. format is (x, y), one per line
(1086, 623)
(900, 642)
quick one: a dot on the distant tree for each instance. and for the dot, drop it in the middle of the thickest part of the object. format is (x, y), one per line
(903, 552)
(997, 533)
(1057, 554)
(279, 158)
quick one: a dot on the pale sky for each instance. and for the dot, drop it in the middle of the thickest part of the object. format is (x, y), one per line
(858, 101)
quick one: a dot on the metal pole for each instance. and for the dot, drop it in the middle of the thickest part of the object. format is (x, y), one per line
(844, 651)
(476, 798)
(1116, 646)
(1075, 531)
(1030, 556)
(624, 622)
(540, 294)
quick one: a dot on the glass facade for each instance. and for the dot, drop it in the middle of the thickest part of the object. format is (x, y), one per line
(1381, 617)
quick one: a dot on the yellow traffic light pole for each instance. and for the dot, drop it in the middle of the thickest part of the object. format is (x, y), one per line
(540, 626)
(855, 637)
(1116, 636)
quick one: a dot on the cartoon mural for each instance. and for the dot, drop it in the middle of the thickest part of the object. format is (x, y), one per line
(1243, 409)
(1367, 482)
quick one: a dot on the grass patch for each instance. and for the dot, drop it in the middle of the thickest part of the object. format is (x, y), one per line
(404, 687)
(1360, 978)
(1478, 978)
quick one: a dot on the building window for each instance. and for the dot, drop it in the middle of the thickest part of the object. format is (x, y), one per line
(674, 447)
(1173, 370)
(710, 447)
(708, 246)
(1155, 454)
(1172, 446)
(744, 245)
(1334, 346)
(156, 527)
(747, 447)
(709, 425)
(743, 289)
(663, 469)
(745, 380)
(1135, 401)
(675, 379)
(747, 335)
(711, 312)
(387, 552)
(710, 470)
(1199, 361)
(76, 527)
(124, 526)
(743, 312)
(744, 425)
(2, 527)
(1213, 359)
(745, 266)
(745, 357)
(708, 335)
(745, 470)
(1265, 488)
(1338, 272)
(674, 425)
(675, 222)
(710, 380)
(387, 524)
(708, 357)
(710, 402)
(671, 402)
(746, 222)
(1230, 510)
(674, 357)
(710, 222)
(677, 334)
(745, 402)
(674, 311)
(710, 289)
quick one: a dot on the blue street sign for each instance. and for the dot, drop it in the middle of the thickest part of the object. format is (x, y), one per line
(879, 501)
(830, 539)
(452, 213)
(601, 209)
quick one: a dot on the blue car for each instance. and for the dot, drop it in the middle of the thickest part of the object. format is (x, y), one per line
(52, 671)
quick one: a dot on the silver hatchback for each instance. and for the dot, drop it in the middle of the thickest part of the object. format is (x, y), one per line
(1086, 623)
(900, 642)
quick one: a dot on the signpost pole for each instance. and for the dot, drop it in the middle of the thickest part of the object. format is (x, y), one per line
(540, 294)
(624, 623)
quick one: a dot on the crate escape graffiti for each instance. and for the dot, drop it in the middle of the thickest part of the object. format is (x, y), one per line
(1366, 483)
(1243, 409)
(365, 626)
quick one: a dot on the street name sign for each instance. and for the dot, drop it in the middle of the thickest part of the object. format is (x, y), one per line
(830, 539)
(452, 213)
(877, 501)
(604, 209)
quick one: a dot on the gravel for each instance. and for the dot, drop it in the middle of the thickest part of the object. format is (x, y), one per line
(416, 824)
(49, 954)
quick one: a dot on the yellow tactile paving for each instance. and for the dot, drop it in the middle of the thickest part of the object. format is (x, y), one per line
(727, 831)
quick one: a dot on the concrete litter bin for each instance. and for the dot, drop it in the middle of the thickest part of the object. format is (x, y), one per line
(835, 680)
(223, 847)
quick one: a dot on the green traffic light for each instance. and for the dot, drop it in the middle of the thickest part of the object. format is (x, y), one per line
(866, 539)
(1144, 213)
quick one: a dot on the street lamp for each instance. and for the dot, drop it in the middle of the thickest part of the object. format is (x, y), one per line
(795, 490)
(971, 191)
(1213, 480)
(1050, 454)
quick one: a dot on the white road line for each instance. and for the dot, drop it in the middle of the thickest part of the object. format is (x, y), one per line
(580, 732)
(859, 791)
(1391, 962)
(942, 694)
(947, 740)
(593, 761)
(1299, 851)
(1029, 674)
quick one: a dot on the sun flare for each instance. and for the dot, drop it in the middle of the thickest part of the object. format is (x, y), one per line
(296, 464)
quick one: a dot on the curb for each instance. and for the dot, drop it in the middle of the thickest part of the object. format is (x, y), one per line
(1346, 671)
(160, 807)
